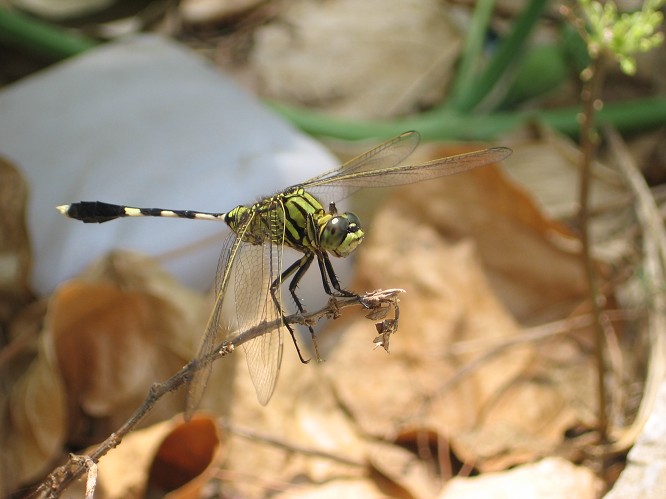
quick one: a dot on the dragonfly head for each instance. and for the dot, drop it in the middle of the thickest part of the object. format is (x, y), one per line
(340, 234)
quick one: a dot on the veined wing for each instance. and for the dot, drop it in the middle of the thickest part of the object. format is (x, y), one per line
(256, 268)
(210, 337)
(378, 168)
(252, 269)
(386, 155)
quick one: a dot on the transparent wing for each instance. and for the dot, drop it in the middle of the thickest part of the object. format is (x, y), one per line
(381, 167)
(214, 330)
(386, 155)
(405, 174)
(256, 268)
(252, 269)
(253, 277)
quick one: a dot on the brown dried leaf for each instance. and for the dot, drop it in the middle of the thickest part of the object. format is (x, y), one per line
(548, 167)
(531, 261)
(119, 328)
(15, 258)
(169, 459)
(302, 415)
(80, 364)
(405, 471)
(449, 370)
(283, 54)
(336, 488)
(553, 478)
(186, 459)
(32, 405)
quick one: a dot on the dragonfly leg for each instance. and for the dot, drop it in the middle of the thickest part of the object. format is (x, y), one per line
(302, 266)
(299, 267)
(327, 272)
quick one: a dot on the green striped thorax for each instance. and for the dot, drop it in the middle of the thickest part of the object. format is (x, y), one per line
(297, 219)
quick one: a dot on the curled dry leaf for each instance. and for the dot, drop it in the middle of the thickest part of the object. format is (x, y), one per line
(339, 487)
(172, 459)
(548, 167)
(14, 243)
(123, 325)
(403, 473)
(32, 404)
(531, 260)
(85, 362)
(186, 458)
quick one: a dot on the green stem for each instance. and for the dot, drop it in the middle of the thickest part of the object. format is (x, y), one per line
(512, 45)
(543, 69)
(39, 38)
(472, 50)
(437, 125)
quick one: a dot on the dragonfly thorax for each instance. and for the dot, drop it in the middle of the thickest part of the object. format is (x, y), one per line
(296, 218)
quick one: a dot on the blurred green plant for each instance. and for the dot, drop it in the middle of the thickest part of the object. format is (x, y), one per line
(609, 36)
(490, 86)
(46, 41)
(492, 80)
(622, 34)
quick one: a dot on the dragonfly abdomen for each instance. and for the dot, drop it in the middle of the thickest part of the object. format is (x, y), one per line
(99, 212)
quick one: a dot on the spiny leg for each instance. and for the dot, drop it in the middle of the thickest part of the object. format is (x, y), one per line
(303, 264)
(294, 267)
(327, 273)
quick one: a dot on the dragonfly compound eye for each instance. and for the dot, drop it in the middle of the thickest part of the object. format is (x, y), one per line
(341, 234)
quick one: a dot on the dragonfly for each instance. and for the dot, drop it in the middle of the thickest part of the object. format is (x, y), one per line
(303, 217)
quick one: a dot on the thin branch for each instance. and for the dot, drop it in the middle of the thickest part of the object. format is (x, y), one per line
(379, 303)
(594, 77)
(288, 446)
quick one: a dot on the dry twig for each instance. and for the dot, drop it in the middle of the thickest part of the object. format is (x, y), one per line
(378, 302)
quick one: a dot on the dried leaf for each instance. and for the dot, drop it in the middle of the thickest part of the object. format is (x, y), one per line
(104, 339)
(553, 181)
(334, 489)
(186, 459)
(428, 47)
(496, 404)
(531, 261)
(403, 469)
(15, 258)
(32, 404)
(169, 459)
(303, 424)
(552, 478)
(119, 328)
